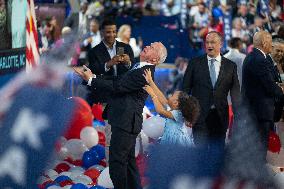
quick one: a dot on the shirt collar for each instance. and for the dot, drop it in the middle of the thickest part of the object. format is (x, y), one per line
(274, 63)
(113, 47)
(142, 64)
(217, 58)
(261, 52)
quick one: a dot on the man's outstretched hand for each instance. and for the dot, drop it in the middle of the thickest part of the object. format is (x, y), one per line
(84, 72)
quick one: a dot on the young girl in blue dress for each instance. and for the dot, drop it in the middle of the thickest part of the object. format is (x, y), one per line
(183, 113)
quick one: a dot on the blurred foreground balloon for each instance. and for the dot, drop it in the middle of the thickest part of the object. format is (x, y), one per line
(153, 127)
(82, 117)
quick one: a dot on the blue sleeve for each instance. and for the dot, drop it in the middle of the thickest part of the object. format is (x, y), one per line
(177, 116)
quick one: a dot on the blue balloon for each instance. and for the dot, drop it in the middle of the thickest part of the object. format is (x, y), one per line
(97, 187)
(216, 12)
(62, 178)
(79, 186)
(100, 149)
(51, 184)
(90, 158)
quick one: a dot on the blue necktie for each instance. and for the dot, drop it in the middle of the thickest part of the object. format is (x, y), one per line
(212, 72)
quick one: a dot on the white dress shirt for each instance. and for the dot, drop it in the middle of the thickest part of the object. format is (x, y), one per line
(82, 23)
(112, 53)
(96, 39)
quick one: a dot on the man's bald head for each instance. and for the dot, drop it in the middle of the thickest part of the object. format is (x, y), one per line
(263, 41)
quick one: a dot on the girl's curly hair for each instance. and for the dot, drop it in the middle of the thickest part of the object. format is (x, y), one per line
(189, 107)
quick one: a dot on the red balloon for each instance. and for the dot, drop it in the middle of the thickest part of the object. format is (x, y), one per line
(102, 138)
(97, 110)
(61, 167)
(93, 174)
(77, 162)
(82, 117)
(274, 144)
(66, 182)
(43, 185)
(103, 163)
(81, 104)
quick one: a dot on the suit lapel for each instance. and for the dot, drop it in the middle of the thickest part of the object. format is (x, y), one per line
(104, 51)
(206, 73)
(221, 73)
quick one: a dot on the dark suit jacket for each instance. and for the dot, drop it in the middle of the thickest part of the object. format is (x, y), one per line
(279, 102)
(99, 55)
(127, 98)
(259, 89)
(72, 21)
(97, 58)
(197, 82)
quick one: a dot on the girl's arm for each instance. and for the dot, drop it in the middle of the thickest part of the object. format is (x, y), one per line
(159, 94)
(160, 109)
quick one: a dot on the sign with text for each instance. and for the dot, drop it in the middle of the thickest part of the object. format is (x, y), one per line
(12, 60)
(29, 130)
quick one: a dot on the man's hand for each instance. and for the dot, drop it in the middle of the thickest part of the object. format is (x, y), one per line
(115, 60)
(124, 58)
(90, 40)
(84, 72)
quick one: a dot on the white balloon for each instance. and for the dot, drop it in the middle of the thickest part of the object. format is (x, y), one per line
(65, 173)
(54, 177)
(145, 140)
(153, 127)
(67, 187)
(77, 169)
(63, 153)
(54, 187)
(137, 146)
(75, 173)
(89, 136)
(50, 173)
(82, 179)
(76, 148)
(104, 179)
(62, 140)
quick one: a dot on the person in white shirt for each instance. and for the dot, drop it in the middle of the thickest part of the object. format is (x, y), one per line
(236, 56)
(92, 38)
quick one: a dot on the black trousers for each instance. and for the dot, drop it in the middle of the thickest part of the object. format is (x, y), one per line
(122, 163)
(263, 128)
(210, 132)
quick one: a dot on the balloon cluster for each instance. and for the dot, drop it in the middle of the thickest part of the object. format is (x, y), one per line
(81, 163)
(80, 154)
